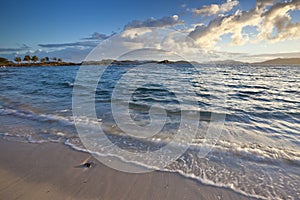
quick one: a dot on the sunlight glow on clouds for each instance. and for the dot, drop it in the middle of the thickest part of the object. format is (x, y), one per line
(163, 39)
(214, 9)
(265, 19)
(278, 18)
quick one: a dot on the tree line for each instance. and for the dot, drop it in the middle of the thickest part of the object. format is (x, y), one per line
(35, 59)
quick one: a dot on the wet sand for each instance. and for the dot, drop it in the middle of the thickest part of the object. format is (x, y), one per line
(50, 171)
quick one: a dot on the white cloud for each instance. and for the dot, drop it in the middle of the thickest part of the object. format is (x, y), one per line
(164, 43)
(183, 5)
(214, 9)
(134, 33)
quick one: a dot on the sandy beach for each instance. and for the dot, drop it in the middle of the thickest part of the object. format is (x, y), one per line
(50, 171)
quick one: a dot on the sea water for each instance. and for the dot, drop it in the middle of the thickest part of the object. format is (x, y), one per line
(257, 152)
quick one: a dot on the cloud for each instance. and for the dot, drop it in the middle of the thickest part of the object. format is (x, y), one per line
(97, 36)
(278, 23)
(73, 51)
(265, 17)
(137, 44)
(91, 41)
(21, 48)
(72, 44)
(163, 22)
(183, 5)
(214, 9)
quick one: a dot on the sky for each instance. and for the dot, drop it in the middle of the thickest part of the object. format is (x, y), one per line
(246, 30)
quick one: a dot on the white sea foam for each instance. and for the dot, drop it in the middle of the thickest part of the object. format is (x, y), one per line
(203, 180)
(67, 120)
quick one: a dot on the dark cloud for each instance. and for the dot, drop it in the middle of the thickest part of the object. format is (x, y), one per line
(98, 36)
(22, 48)
(163, 22)
(72, 44)
(91, 41)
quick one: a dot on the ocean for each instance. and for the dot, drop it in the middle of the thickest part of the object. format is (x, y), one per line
(252, 114)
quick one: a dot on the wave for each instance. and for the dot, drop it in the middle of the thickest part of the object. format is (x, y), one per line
(67, 84)
(246, 151)
(253, 151)
(65, 120)
(28, 138)
(185, 171)
(36, 116)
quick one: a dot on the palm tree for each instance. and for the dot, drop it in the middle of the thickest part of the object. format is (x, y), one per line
(42, 60)
(34, 59)
(3, 61)
(27, 58)
(59, 60)
(18, 59)
(54, 59)
(47, 59)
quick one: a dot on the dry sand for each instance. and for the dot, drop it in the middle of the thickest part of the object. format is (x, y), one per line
(48, 171)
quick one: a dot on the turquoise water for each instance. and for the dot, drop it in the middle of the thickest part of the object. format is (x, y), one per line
(257, 153)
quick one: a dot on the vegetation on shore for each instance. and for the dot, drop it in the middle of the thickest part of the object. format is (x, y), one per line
(29, 61)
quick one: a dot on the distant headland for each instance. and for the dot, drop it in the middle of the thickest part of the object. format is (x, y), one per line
(281, 61)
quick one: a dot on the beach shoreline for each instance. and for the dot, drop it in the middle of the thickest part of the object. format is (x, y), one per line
(51, 171)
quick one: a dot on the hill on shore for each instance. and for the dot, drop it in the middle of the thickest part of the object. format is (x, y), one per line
(281, 61)
(277, 61)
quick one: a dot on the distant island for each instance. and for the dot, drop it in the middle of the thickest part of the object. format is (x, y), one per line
(227, 62)
(33, 61)
(133, 62)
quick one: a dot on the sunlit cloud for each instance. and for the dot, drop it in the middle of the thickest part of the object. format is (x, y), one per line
(175, 45)
(278, 25)
(214, 9)
(272, 21)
